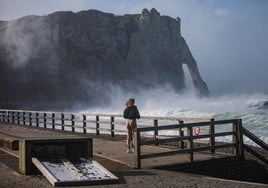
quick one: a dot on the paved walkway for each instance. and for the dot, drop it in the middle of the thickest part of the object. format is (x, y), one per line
(103, 145)
(110, 149)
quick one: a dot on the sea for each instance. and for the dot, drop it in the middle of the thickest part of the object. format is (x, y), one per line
(251, 108)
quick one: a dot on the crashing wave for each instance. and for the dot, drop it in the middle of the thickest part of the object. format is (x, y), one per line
(262, 104)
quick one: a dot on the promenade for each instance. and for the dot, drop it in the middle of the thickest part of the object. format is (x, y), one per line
(111, 153)
(112, 148)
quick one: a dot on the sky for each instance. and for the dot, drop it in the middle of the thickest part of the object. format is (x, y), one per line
(228, 38)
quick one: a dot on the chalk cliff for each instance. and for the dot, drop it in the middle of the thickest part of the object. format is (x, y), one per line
(57, 60)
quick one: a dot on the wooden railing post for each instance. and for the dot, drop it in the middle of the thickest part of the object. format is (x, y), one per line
(235, 138)
(2, 116)
(30, 118)
(37, 119)
(23, 118)
(190, 144)
(53, 120)
(73, 120)
(45, 120)
(18, 117)
(84, 124)
(12, 114)
(138, 149)
(62, 122)
(212, 137)
(240, 139)
(112, 126)
(97, 125)
(181, 132)
(8, 116)
(155, 131)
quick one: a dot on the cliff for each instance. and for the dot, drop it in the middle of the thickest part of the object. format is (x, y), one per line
(58, 60)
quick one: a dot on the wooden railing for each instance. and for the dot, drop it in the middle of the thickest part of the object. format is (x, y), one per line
(257, 141)
(184, 129)
(83, 123)
(235, 132)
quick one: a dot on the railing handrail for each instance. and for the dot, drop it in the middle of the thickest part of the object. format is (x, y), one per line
(190, 137)
(186, 125)
(73, 120)
(257, 141)
(111, 115)
(237, 133)
(60, 118)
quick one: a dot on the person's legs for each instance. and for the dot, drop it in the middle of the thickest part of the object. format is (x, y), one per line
(133, 128)
(129, 135)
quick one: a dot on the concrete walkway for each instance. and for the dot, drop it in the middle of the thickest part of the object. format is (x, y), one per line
(107, 150)
(103, 145)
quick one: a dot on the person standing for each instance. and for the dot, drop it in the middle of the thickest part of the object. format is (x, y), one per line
(131, 113)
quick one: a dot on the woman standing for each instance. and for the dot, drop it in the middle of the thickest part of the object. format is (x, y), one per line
(131, 113)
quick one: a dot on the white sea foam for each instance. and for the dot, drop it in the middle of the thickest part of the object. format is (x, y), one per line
(167, 103)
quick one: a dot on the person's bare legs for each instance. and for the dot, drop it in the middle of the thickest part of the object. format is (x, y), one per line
(129, 136)
(131, 126)
(132, 140)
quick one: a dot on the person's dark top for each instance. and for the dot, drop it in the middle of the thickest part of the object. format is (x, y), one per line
(131, 112)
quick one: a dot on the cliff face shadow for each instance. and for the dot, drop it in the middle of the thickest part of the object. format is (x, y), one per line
(240, 170)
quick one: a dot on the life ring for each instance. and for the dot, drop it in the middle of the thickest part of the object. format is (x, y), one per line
(196, 131)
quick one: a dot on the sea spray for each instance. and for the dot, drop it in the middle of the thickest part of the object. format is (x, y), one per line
(251, 108)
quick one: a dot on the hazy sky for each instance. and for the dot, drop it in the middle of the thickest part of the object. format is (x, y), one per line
(228, 38)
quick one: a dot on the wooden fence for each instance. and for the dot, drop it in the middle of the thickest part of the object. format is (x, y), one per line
(187, 130)
(232, 128)
(84, 123)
